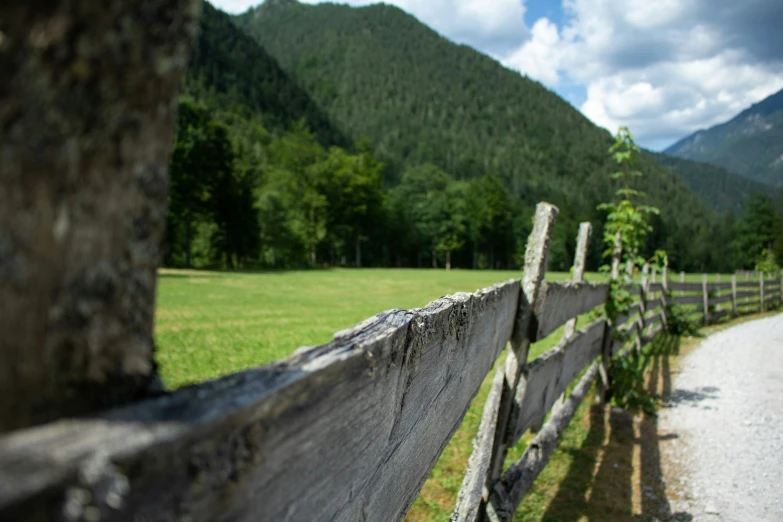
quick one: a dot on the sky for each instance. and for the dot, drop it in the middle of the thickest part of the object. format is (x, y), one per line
(664, 68)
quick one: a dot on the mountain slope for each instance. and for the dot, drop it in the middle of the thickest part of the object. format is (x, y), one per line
(750, 144)
(379, 72)
(716, 187)
(234, 76)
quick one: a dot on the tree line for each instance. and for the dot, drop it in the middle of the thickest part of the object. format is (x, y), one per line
(243, 197)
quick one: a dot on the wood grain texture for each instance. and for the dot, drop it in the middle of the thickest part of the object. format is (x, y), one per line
(345, 431)
(516, 482)
(470, 495)
(543, 380)
(536, 259)
(561, 301)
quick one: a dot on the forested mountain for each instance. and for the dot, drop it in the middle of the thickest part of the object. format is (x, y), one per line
(750, 144)
(376, 142)
(235, 77)
(420, 98)
(715, 186)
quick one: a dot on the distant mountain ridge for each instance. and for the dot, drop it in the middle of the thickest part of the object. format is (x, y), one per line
(236, 77)
(715, 186)
(750, 144)
(424, 98)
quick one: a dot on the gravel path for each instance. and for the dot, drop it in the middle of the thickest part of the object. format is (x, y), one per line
(726, 463)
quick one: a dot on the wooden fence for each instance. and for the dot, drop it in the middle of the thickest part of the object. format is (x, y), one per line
(351, 430)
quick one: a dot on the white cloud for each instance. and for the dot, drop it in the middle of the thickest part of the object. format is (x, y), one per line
(539, 57)
(234, 6)
(492, 26)
(664, 68)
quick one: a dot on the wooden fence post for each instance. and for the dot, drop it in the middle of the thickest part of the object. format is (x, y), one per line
(89, 96)
(706, 299)
(717, 291)
(734, 295)
(536, 256)
(761, 293)
(582, 240)
(682, 280)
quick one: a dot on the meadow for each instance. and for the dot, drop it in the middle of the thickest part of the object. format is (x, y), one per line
(210, 324)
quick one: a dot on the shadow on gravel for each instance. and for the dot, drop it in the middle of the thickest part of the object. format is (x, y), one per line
(691, 396)
(602, 483)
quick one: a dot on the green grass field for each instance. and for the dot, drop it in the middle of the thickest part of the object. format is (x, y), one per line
(213, 323)
(210, 324)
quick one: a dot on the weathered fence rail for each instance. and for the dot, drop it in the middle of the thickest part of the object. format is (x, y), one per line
(350, 430)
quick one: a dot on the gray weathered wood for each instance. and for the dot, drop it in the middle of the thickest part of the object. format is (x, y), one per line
(686, 287)
(536, 256)
(648, 338)
(563, 300)
(580, 256)
(471, 495)
(543, 380)
(682, 282)
(652, 304)
(734, 294)
(719, 286)
(749, 293)
(577, 272)
(688, 299)
(761, 294)
(720, 314)
(516, 482)
(622, 318)
(372, 410)
(721, 299)
(705, 298)
(653, 321)
(88, 95)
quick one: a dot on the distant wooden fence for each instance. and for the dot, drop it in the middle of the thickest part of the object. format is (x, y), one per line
(350, 430)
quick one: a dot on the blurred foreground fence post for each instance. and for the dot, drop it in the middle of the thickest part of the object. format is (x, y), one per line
(87, 114)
